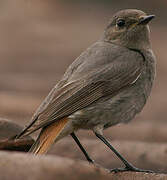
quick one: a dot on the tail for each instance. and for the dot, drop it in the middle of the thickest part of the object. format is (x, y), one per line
(47, 136)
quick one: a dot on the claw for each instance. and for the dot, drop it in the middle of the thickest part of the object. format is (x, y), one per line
(91, 161)
(116, 170)
(131, 168)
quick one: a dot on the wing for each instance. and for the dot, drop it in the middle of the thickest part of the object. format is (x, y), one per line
(90, 77)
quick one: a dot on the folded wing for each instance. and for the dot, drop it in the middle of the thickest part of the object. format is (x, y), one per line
(80, 91)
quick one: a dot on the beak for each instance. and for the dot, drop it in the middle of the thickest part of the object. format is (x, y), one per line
(145, 19)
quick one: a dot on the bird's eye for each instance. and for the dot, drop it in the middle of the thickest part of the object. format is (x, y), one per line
(120, 23)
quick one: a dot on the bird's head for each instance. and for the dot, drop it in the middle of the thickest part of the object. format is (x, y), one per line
(129, 28)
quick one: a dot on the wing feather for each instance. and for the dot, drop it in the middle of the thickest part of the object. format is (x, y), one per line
(77, 93)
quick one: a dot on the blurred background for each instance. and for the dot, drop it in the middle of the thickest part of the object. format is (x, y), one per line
(38, 41)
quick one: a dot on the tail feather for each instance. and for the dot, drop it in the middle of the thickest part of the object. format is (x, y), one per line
(47, 136)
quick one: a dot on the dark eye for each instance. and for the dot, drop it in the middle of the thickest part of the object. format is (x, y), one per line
(120, 22)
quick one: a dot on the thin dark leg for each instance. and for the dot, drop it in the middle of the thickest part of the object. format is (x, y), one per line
(128, 166)
(81, 147)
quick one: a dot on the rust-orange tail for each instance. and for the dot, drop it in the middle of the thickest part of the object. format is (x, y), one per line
(47, 136)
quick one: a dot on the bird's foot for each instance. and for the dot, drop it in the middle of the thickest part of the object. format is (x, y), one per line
(130, 168)
(91, 161)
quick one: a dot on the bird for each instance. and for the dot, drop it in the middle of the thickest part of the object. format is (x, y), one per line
(108, 84)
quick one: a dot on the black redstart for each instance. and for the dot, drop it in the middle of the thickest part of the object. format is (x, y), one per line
(107, 84)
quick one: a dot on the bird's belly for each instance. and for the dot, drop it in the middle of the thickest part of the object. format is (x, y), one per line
(110, 110)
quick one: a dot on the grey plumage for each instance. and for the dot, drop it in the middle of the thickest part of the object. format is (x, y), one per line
(107, 84)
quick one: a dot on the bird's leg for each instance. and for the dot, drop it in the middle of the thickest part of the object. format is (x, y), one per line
(128, 166)
(81, 147)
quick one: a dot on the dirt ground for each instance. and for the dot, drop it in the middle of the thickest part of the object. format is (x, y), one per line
(38, 40)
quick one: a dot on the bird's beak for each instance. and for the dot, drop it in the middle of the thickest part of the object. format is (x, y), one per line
(145, 19)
